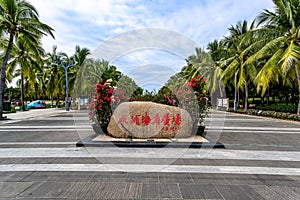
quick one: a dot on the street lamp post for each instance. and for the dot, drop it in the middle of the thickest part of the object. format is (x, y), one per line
(66, 66)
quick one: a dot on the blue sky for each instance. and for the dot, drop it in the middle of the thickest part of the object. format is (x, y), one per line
(89, 23)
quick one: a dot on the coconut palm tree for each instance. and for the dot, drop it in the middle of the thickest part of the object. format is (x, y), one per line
(27, 54)
(18, 17)
(55, 73)
(75, 72)
(196, 64)
(236, 71)
(280, 29)
(214, 72)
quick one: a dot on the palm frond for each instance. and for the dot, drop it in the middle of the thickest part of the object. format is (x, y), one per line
(267, 50)
(290, 57)
(270, 72)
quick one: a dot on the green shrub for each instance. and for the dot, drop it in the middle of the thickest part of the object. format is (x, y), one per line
(268, 113)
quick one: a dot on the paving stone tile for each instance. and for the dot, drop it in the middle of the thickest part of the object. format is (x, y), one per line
(238, 192)
(209, 179)
(12, 189)
(287, 192)
(81, 190)
(75, 176)
(296, 189)
(183, 178)
(277, 180)
(170, 191)
(161, 191)
(4, 176)
(45, 190)
(109, 177)
(143, 177)
(275, 193)
(151, 191)
(42, 176)
(242, 179)
(13, 176)
(96, 190)
(199, 192)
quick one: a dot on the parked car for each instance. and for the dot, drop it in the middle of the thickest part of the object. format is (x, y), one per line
(36, 104)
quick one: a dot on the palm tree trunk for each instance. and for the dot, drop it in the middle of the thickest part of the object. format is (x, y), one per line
(52, 100)
(298, 78)
(3, 71)
(220, 88)
(36, 93)
(246, 97)
(238, 98)
(268, 96)
(22, 91)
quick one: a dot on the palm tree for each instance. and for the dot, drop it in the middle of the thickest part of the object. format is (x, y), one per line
(197, 64)
(75, 72)
(81, 54)
(280, 30)
(93, 72)
(237, 72)
(54, 87)
(18, 17)
(27, 54)
(214, 72)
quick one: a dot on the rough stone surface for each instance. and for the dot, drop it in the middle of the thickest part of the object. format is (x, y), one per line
(149, 120)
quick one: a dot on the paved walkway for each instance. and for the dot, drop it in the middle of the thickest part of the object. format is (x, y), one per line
(39, 160)
(33, 113)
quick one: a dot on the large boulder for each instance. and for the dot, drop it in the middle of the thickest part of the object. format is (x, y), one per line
(149, 120)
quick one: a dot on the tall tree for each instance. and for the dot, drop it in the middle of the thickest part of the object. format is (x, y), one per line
(54, 88)
(80, 56)
(281, 31)
(197, 63)
(214, 72)
(26, 54)
(236, 69)
(18, 17)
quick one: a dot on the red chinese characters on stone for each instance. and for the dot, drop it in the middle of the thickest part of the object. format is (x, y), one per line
(169, 123)
(156, 120)
(146, 119)
(135, 120)
(177, 120)
(122, 120)
(166, 120)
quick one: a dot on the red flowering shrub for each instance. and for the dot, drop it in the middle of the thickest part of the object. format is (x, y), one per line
(100, 105)
(191, 97)
(105, 97)
(198, 84)
(167, 99)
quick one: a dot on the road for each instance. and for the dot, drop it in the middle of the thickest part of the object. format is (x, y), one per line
(39, 160)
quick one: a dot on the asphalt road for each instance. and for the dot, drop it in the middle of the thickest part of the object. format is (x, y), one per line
(39, 160)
